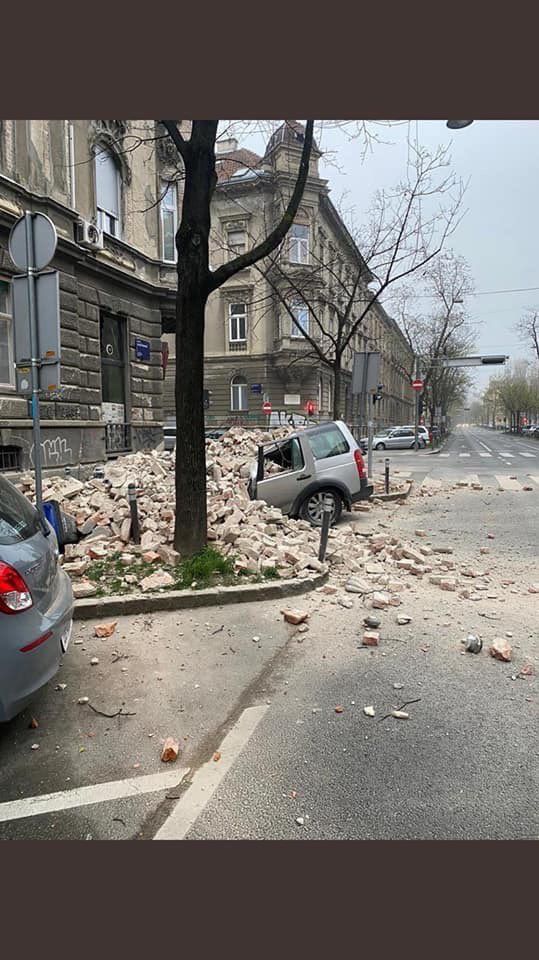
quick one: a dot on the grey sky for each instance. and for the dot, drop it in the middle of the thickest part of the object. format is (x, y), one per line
(498, 234)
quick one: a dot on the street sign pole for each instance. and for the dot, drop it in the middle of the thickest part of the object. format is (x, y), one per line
(34, 359)
(416, 406)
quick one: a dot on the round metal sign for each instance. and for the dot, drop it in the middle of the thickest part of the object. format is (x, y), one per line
(417, 384)
(43, 241)
(266, 407)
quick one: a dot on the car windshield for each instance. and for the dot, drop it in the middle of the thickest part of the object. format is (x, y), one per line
(18, 518)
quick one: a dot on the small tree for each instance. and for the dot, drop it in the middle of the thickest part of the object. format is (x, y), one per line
(528, 328)
(442, 331)
(195, 283)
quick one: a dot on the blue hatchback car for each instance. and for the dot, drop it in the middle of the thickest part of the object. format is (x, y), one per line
(36, 602)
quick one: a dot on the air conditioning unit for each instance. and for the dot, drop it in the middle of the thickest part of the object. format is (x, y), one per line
(88, 235)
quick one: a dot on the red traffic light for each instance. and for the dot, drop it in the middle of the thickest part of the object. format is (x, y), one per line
(309, 408)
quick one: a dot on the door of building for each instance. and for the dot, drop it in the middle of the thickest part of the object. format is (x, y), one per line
(113, 384)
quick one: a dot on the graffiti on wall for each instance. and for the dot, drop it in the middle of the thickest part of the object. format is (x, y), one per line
(55, 452)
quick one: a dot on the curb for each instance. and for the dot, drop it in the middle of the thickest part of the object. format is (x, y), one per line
(385, 497)
(90, 607)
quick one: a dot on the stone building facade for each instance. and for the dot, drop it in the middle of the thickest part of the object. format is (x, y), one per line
(113, 192)
(253, 349)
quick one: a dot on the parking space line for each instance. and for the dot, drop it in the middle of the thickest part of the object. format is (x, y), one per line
(84, 796)
(208, 778)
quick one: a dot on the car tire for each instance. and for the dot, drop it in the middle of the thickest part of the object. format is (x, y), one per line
(311, 508)
(380, 446)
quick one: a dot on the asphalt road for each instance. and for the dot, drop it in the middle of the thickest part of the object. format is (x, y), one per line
(464, 765)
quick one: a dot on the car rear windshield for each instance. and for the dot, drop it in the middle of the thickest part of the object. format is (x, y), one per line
(18, 518)
(328, 442)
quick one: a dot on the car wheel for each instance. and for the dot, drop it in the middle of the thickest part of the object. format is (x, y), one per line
(380, 446)
(312, 508)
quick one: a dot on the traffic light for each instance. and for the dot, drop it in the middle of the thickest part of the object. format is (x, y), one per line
(378, 395)
(420, 406)
(310, 408)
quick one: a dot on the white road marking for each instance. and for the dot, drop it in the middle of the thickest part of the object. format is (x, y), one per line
(208, 778)
(485, 446)
(485, 454)
(535, 479)
(83, 796)
(504, 453)
(506, 483)
(526, 454)
(464, 454)
(444, 455)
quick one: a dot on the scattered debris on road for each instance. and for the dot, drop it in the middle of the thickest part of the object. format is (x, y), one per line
(501, 649)
(105, 629)
(170, 751)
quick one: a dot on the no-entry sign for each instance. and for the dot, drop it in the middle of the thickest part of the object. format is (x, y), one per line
(266, 407)
(417, 384)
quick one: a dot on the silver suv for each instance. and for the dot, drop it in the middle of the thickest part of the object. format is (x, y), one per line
(295, 473)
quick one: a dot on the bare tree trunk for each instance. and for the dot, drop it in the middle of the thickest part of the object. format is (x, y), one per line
(336, 412)
(192, 243)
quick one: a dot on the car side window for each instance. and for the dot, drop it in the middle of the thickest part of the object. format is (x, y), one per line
(284, 457)
(18, 518)
(328, 442)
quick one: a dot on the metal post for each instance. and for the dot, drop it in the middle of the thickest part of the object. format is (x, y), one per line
(370, 437)
(328, 507)
(34, 359)
(416, 407)
(133, 507)
(387, 474)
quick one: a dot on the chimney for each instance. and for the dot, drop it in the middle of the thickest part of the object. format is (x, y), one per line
(223, 147)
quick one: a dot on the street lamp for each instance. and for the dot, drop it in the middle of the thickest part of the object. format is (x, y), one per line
(458, 124)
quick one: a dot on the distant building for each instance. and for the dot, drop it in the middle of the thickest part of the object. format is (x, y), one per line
(253, 350)
(114, 202)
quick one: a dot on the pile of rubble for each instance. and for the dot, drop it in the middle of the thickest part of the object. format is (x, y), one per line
(257, 536)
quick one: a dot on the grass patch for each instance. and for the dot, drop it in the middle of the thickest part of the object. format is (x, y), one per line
(207, 568)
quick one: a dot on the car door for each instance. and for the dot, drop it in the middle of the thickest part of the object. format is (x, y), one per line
(400, 439)
(332, 447)
(287, 470)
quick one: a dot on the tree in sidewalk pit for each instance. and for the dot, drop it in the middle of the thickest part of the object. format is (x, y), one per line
(195, 283)
(407, 228)
(528, 328)
(441, 331)
(517, 392)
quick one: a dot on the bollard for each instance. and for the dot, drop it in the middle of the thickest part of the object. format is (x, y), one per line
(387, 474)
(133, 506)
(329, 505)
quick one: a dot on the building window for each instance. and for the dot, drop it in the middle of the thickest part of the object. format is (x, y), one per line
(237, 323)
(108, 192)
(236, 241)
(7, 373)
(169, 220)
(298, 243)
(300, 312)
(238, 394)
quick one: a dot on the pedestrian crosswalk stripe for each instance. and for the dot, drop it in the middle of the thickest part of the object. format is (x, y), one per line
(526, 454)
(504, 453)
(444, 455)
(464, 454)
(485, 454)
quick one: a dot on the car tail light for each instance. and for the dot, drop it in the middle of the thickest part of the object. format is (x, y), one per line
(360, 464)
(14, 594)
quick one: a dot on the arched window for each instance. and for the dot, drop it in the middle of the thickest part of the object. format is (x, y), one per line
(238, 393)
(108, 184)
